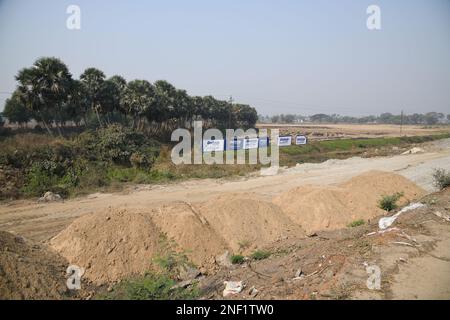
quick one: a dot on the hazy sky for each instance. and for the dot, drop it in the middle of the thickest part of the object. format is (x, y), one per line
(279, 56)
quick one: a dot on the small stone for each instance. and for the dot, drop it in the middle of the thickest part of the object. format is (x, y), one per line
(253, 292)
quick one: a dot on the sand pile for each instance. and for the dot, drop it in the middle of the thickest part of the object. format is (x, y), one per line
(246, 223)
(332, 207)
(29, 270)
(190, 232)
(110, 245)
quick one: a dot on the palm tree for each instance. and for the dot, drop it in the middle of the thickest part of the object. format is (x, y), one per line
(77, 104)
(44, 88)
(93, 81)
(137, 100)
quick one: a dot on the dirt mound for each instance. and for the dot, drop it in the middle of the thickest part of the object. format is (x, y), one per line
(332, 207)
(110, 245)
(191, 233)
(29, 271)
(246, 223)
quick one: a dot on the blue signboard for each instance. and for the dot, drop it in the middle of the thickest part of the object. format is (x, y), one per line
(284, 141)
(263, 142)
(235, 144)
(301, 140)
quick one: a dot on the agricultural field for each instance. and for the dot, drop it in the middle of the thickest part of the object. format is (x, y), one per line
(349, 131)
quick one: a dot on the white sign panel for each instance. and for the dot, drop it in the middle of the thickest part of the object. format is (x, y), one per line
(213, 145)
(284, 141)
(301, 140)
(251, 143)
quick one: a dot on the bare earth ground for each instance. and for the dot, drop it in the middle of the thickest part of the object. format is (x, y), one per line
(333, 261)
(414, 260)
(327, 131)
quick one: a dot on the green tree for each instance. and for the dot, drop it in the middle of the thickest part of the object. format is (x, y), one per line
(93, 81)
(120, 84)
(44, 88)
(16, 111)
(137, 101)
(77, 105)
(320, 117)
(245, 116)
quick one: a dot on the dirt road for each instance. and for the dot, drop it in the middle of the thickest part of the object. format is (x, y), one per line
(42, 221)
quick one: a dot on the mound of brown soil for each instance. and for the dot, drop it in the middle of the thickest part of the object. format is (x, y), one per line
(246, 223)
(110, 245)
(190, 232)
(333, 207)
(29, 271)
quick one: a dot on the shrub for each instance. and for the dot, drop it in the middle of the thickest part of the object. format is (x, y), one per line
(356, 223)
(118, 143)
(389, 202)
(122, 174)
(142, 160)
(237, 259)
(40, 179)
(260, 255)
(441, 178)
(152, 287)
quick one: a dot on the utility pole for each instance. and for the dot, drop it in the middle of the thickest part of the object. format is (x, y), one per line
(401, 123)
(230, 101)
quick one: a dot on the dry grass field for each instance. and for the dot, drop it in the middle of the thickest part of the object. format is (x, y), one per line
(338, 131)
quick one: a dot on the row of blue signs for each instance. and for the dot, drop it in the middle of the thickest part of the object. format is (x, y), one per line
(249, 143)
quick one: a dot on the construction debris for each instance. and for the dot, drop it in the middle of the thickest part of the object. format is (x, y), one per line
(441, 215)
(233, 288)
(50, 197)
(414, 151)
(386, 222)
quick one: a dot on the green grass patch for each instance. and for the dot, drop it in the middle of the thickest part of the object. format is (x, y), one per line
(319, 151)
(151, 286)
(237, 259)
(389, 202)
(356, 223)
(260, 255)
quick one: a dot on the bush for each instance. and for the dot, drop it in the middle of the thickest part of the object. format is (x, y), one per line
(389, 202)
(3, 131)
(118, 143)
(237, 259)
(441, 178)
(260, 255)
(140, 160)
(43, 177)
(152, 287)
(356, 223)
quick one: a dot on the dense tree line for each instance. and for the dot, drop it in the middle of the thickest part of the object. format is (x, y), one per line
(429, 118)
(48, 93)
